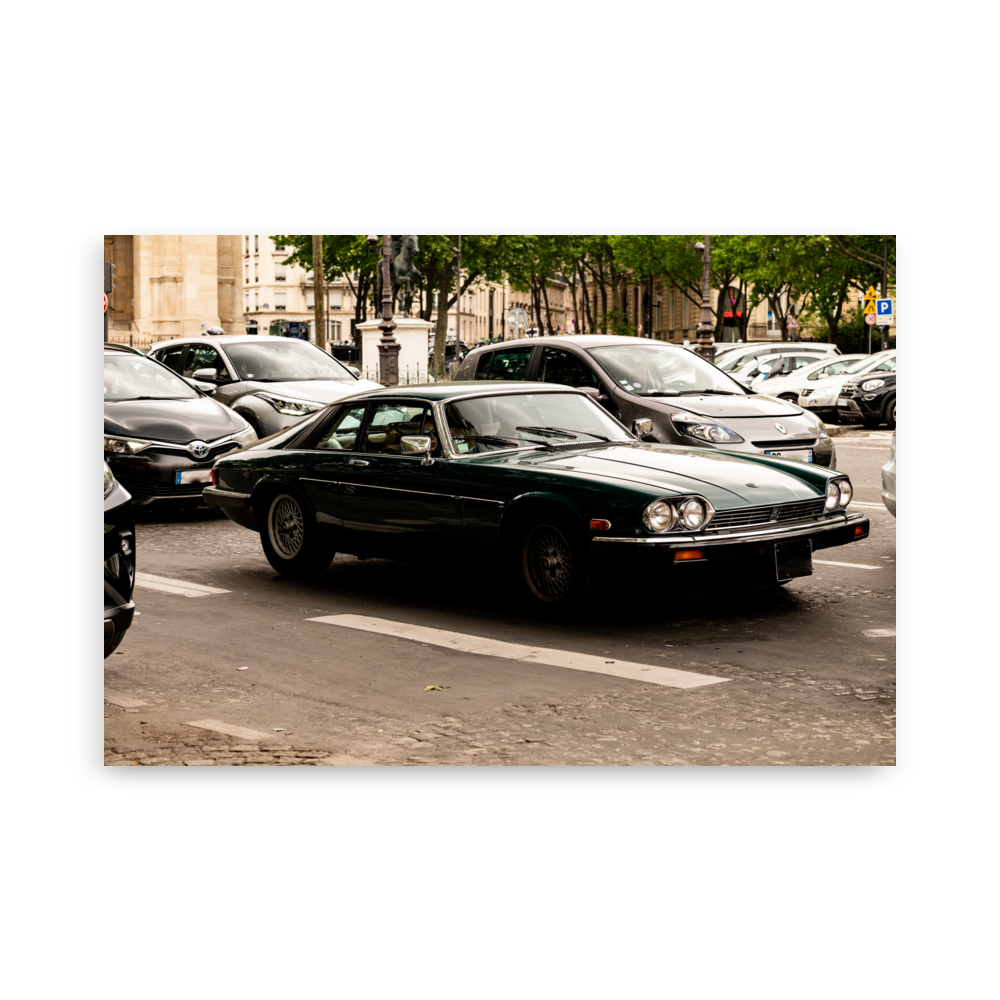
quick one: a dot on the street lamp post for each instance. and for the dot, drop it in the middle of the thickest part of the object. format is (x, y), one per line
(706, 331)
(388, 346)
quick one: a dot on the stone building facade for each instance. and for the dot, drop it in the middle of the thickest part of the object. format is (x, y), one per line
(172, 286)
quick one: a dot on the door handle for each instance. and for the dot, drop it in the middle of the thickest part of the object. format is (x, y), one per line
(358, 463)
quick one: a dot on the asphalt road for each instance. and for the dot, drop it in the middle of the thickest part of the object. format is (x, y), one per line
(802, 681)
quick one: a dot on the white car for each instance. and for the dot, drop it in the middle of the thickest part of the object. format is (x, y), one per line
(734, 359)
(821, 398)
(788, 385)
(757, 369)
(889, 479)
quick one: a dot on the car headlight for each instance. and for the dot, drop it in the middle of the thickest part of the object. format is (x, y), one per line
(125, 446)
(693, 514)
(109, 480)
(703, 430)
(846, 491)
(832, 495)
(291, 407)
(875, 383)
(659, 516)
(817, 425)
(246, 437)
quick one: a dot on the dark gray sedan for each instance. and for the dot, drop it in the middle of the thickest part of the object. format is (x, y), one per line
(689, 401)
(272, 382)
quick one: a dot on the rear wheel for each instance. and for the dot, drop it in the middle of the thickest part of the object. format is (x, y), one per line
(552, 567)
(291, 539)
(790, 397)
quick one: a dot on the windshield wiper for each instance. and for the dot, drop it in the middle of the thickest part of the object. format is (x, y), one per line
(708, 392)
(548, 431)
(495, 439)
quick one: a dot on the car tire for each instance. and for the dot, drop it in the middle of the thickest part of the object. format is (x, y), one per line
(552, 568)
(889, 413)
(292, 541)
(790, 397)
(253, 422)
(112, 643)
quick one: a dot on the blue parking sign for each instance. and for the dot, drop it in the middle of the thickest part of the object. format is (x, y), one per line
(883, 307)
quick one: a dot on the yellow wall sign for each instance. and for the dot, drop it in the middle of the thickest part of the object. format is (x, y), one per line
(870, 298)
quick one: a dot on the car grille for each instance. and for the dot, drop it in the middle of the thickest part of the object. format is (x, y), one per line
(786, 443)
(745, 517)
(143, 491)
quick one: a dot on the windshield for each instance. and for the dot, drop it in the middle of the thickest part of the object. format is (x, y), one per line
(496, 423)
(132, 376)
(285, 360)
(733, 359)
(865, 363)
(651, 369)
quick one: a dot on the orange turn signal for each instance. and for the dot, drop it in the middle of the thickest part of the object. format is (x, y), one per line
(859, 530)
(687, 554)
(600, 525)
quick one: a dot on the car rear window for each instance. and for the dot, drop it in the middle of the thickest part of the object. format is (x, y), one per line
(511, 363)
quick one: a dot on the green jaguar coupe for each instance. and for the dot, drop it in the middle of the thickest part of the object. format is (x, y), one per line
(538, 476)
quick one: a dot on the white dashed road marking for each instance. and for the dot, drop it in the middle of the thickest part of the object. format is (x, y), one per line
(859, 503)
(665, 676)
(214, 726)
(181, 587)
(880, 633)
(830, 562)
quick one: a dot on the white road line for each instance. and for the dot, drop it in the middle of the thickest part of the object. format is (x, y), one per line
(880, 633)
(181, 587)
(122, 701)
(860, 447)
(214, 726)
(665, 676)
(830, 562)
(862, 503)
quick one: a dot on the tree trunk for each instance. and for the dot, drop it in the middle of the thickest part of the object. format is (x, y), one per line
(441, 328)
(588, 316)
(548, 311)
(318, 295)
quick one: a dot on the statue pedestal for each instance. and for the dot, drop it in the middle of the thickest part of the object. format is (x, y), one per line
(413, 336)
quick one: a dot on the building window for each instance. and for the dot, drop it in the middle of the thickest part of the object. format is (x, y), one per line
(246, 274)
(280, 271)
(256, 272)
(246, 244)
(279, 300)
(256, 301)
(256, 242)
(684, 312)
(335, 331)
(310, 300)
(336, 300)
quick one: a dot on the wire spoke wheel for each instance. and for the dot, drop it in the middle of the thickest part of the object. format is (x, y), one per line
(286, 526)
(547, 561)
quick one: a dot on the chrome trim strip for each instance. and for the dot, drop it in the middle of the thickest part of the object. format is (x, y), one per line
(168, 444)
(743, 536)
(396, 489)
(216, 491)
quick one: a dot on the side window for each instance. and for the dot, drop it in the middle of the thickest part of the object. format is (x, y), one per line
(204, 356)
(564, 368)
(889, 365)
(511, 363)
(342, 434)
(392, 421)
(483, 365)
(171, 357)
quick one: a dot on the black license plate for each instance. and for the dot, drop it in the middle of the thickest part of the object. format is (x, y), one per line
(793, 558)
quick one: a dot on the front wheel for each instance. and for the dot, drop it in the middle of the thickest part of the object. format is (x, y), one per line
(890, 414)
(554, 569)
(112, 643)
(291, 539)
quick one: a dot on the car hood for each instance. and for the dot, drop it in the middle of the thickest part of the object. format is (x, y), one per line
(314, 390)
(721, 477)
(175, 420)
(757, 405)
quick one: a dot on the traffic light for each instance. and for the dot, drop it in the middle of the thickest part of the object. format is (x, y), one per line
(109, 277)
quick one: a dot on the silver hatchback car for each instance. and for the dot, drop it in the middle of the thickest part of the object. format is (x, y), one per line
(272, 382)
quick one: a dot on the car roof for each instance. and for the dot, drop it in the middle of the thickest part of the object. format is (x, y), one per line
(124, 348)
(584, 340)
(438, 391)
(229, 338)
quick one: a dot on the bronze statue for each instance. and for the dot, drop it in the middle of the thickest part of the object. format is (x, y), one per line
(402, 250)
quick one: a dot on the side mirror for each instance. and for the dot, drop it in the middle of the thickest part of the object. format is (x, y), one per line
(417, 444)
(204, 388)
(353, 370)
(206, 374)
(590, 391)
(640, 428)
